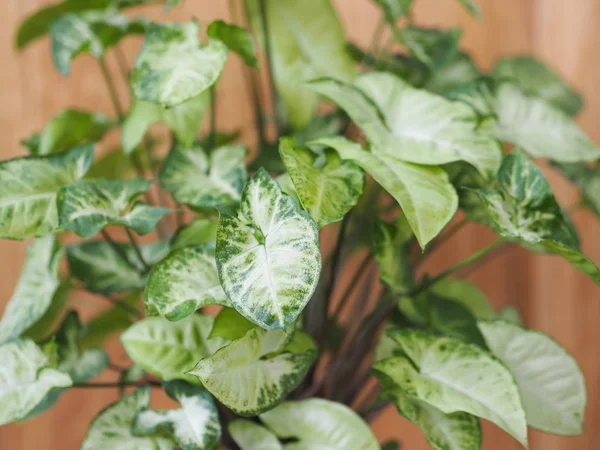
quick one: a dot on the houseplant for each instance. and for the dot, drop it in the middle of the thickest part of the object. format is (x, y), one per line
(412, 139)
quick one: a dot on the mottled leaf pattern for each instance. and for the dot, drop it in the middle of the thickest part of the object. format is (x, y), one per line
(319, 423)
(173, 66)
(268, 257)
(28, 188)
(170, 350)
(205, 181)
(250, 435)
(247, 379)
(550, 381)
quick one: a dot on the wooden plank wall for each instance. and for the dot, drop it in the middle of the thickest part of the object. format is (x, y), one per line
(552, 296)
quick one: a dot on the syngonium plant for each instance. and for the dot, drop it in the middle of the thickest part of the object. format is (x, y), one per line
(286, 357)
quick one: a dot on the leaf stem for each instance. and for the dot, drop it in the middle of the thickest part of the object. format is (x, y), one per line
(353, 283)
(118, 250)
(117, 385)
(136, 249)
(213, 118)
(124, 306)
(111, 89)
(443, 239)
(268, 50)
(122, 63)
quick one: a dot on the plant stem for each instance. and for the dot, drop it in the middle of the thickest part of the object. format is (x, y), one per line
(376, 38)
(118, 250)
(117, 385)
(124, 306)
(122, 63)
(213, 118)
(353, 283)
(111, 89)
(266, 33)
(136, 249)
(487, 258)
(443, 239)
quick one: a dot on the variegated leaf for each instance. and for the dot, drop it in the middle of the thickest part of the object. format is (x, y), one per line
(112, 428)
(432, 46)
(35, 289)
(194, 426)
(524, 210)
(454, 376)
(183, 282)
(28, 188)
(230, 324)
(424, 193)
(184, 120)
(88, 206)
(205, 181)
(318, 423)
(174, 66)
(250, 435)
(268, 257)
(538, 80)
(392, 252)
(26, 377)
(170, 350)
(551, 383)
(247, 378)
(104, 271)
(199, 231)
(41, 330)
(327, 186)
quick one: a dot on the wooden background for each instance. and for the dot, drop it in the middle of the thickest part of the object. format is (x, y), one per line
(552, 296)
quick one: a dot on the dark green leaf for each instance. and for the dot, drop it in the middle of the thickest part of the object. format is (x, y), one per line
(237, 39)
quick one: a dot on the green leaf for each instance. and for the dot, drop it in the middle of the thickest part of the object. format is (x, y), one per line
(327, 186)
(88, 206)
(511, 314)
(26, 378)
(524, 210)
(433, 47)
(170, 350)
(465, 293)
(538, 80)
(35, 289)
(102, 326)
(184, 120)
(28, 188)
(268, 257)
(319, 423)
(391, 248)
(173, 65)
(205, 181)
(102, 270)
(67, 129)
(541, 129)
(45, 325)
(460, 71)
(230, 325)
(91, 32)
(455, 431)
(394, 9)
(112, 428)
(587, 178)
(185, 281)
(550, 381)
(237, 39)
(424, 192)
(194, 426)
(454, 376)
(199, 231)
(249, 436)
(246, 378)
(298, 53)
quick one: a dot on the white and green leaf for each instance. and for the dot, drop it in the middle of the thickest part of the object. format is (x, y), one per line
(250, 435)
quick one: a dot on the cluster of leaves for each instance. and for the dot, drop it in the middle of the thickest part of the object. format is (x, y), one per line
(275, 365)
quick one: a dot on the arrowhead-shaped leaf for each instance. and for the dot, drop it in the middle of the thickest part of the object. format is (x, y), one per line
(194, 426)
(250, 435)
(174, 66)
(319, 423)
(237, 39)
(170, 350)
(551, 383)
(28, 188)
(268, 257)
(247, 378)
(205, 181)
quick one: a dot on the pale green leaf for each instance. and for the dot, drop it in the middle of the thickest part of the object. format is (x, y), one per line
(88, 206)
(112, 428)
(587, 178)
(250, 436)
(318, 423)
(230, 324)
(297, 31)
(391, 249)
(511, 314)
(184, 120)
(45, 325)
(327, 189)
(538, 80)
(28, 188)
(268, 257)
(174, 66)
(194, 426)
(541, 129)
(38, 282)
(424, 192)
(25, 378)
(454, 376)
(170, 350)
(199, 231)
(205, 181)
(433, 47)
(394, 9)
(550, 381)
(246, 378)
(237, 39)
(465, 293)
(185, 281)
(114, 165)
(103, 270)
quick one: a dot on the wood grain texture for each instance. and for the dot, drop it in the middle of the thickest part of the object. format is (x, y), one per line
(553, 296)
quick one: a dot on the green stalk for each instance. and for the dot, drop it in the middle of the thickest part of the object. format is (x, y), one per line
(118, 385)
(136, 249)
(111, 89)
(118, 250)
(213, 118)
(268, 51)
